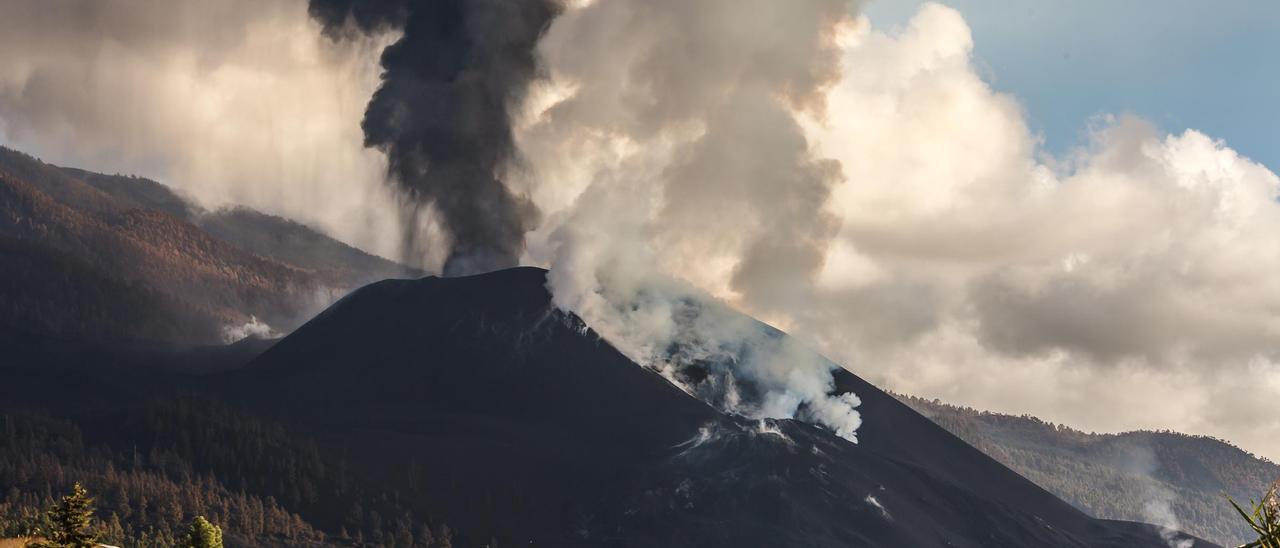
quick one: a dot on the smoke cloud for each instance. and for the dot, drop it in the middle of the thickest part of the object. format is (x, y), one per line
(862, 188)
(229, 102)
(868, 192)
(697, 169)
(724, 358)
(441, 113)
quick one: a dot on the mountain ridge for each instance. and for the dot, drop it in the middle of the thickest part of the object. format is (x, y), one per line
(206, 273)
(558, 438)
(428, 360)
(1116, 475)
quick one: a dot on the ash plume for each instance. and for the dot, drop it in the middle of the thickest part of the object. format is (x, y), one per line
(442, 114)
(861, 186)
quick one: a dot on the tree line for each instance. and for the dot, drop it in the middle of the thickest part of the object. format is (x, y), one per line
(71, 523)
(154, 470)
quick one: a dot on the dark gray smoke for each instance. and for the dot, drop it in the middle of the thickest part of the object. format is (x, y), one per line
(442, 114)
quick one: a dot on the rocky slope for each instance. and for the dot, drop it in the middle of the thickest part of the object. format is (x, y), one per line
(519, 424)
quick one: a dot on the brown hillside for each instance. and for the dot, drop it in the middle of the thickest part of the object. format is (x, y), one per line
(173, 259)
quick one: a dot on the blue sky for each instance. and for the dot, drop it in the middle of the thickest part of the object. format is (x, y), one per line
(1210, 66)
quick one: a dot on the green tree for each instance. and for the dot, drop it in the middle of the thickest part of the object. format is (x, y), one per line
(70, 522)
(202, 534)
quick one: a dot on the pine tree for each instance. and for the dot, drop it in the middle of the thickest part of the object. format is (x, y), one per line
(202, 534)
(70, 521)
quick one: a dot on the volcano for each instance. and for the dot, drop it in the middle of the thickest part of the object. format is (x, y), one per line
(520, 425)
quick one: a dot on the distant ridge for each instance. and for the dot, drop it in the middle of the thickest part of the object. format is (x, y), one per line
(134, 260)
(526, 427)
(1116, 475)
(414, 406)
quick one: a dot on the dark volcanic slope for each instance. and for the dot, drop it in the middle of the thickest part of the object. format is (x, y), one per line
(515, 422)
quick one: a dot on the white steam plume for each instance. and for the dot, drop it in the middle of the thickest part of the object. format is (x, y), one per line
(864, 189)
(1140, 461)
(871, 194)
(692, 145)
(727, 359)
(253, 328)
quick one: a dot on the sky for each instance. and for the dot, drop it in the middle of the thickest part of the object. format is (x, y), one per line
(1067, 210)
(1179, 63)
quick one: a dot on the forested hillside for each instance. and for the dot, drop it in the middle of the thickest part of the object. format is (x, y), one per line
(412, 407)
(1130, 476)
(81, 249)
(168, 461)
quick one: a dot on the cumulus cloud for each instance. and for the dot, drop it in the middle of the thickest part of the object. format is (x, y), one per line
(233, 101)
(864, 189)
(867, 191)
(1125, 285)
